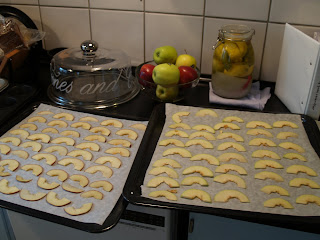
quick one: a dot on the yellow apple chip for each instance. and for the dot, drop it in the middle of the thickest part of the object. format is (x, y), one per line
(102, 130)
(269, 175)
(118, 150)
(166, 161)
(127, 132)
(234, 136)
(92, 194)
(26, 195)
(298, 182)
(54, 200)
(280, 124)
(44, 184)
(275, 202)
(4, 149)
(296, 168)
(203, 127)
(104, 170)
(29, 126)
(4, 187)
(35, 146)
(206, 135)
(3, 173)
(206, 112)
(227, 145)
(203, 143)
(69, 188)
(22, 133)
(58, 123)
(70, 133)
(224, 178)
(225, 168)
(172, 141)
(45, 113)
(262, 142)
(61, 174)
(226, 195)
(85, 208)
(88, 145)
(66, 116)
(180, 125)
(290, 145)
(34, 168)
(13, 140)
(197, 193)
(83, 125)
(275, 189)
(88, 119)
(308, 198)
(86, 155)
(226, 125)
(267, 163)
(65, 140)
(204, 171)
(11, 163)
(21, 179)
(265, 153)
(98, 138)
(226, 157)
(50, 130)
(112, 122)
(207, 157)
(176, 132)
(114, 161)
(39, 136)
(295, 156)
(155, 182)
(20, 153)
(139, 126)
(169, 171)
(37, 119)
(255, 124)
(259, 131)
(105, 185)
(188, 181)
(122, 142)
(176, 117)
(180, 151)
(232, 119)
(60, 149)
(83, 180)
(162, 193)
(285, 135)
(77, 163)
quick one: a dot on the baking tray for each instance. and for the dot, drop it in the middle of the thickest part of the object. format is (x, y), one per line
(132, 190)
(118, 209)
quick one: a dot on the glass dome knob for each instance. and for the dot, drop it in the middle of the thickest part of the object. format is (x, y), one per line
(89, 47)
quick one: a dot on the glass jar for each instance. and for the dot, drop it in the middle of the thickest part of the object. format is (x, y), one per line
(233, 62)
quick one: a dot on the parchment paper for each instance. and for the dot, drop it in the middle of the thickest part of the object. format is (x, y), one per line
(101, 208)
(252, 191)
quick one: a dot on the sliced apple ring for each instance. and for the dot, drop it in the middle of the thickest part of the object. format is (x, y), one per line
(255, 124)
(127, 132)
(267, 163)
(77, 163)
(275, 189)
(69, 188)
(43, 183)
(39, 136)
(296, 168)
(232, 119)
(11, 163)
(105, 171)
(169, 171)
(225, 168)
(207, 157)
(21, 179)
(70, 133)
(172, 141)
(83, 180)
(227, 145)
(180, 125)
(269, 175)
(112, 122)
(66, 140)
(85, 208)
(34, 168)
(226, 195)
(176, 117)
(308, 198)
(45, 113)
(155, 182)
(92, 193)
(226, 125)
(176, 132)
(114, 161)
(13, 140)
(61, 174)
(295, 156)
(4, 149)
(139, 126)
(197, 193)
(88, 145)
(262, 142)
(162, 193)
(105, 185)
(53, 199)
(4, 187)
(206, 112)
(98, 138)
(122, 142)
(66, 116)
(37, 119)
(58, 123)
(20, 153)
(118, 150)
(88, 119)
(204, 143)
(50, 130)
(3, 173)
(226, 157)
(204, 171)
(280, 124)
(180, 151)
(259, 131)
(60, 149)
(102, 130)
(224, 178)
(203, 127)
(206, 135)
(26, 195)
(298, 182)
(22, 133)
(285, 135)
(290, 145)
(35, 146)
(265, 153)
(83, 125)
(188, 181)
(275, 202)
(86, 155)
(166, 161)
(29, 126)
(225, 135)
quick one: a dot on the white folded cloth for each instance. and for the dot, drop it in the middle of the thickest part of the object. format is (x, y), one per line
(255, 99)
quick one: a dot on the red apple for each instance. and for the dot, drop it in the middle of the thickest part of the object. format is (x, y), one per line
(187, 74)
(146, 74)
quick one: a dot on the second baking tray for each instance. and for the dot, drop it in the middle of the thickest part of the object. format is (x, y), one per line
(132, 189)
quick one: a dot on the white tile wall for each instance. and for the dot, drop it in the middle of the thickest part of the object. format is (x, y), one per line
(140, 26)
(244, 9)
(180, 31)
(175, 6)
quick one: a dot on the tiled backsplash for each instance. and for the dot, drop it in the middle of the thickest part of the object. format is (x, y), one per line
(139, 26)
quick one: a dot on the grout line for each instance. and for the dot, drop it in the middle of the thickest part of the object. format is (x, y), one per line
(42, 28)
(144, 30)
(90, 24)
(202, 37)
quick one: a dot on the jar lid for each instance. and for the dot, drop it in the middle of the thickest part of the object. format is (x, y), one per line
(90, 58)
(236, 32)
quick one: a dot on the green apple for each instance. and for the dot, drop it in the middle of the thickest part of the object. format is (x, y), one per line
(166, 74)
(167, 93)
(186, 60)
(165, 54)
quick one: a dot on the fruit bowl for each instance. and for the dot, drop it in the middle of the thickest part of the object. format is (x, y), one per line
(166, 92)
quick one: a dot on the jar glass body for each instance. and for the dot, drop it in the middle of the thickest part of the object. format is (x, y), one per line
(233, 62)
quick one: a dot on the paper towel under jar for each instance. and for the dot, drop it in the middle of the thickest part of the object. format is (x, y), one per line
(91, 78)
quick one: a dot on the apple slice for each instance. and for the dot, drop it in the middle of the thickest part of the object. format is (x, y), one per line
(83, 125)
(203, 127)
(268, 175)
(172, 141)
(39, 136)
(89, 145)
(224, 178)
(105, 185)
(204, 143)
(265, 153)
(119, 150)
(50, 158)
(280, 124)
(206, 135)
(262, 142)
(232, 119)
(169, 171)
(274, 202)
(12, 164)
(226, 125)
(36, 169)
(92, 193)
(114, 161)
(296, 168)
(197, 193)
(85, 208)
(106, 171)
(83, 180)
(295, 156)
(21, 154)
(66, 140)
(60, 149)
(58, 123)
(188, 181)
(98, 138)
(139, 126)
(207, 157)
(258, 131)
(206, 112)
(226, 157)
(290, 145)
(226, 145)
(162, 193)
(4, 188)
(267, 163)
(29, 126)
(225, 135)
(166, 161)
(45, 113)
(61, 174)
(127, 132)
(176, 117)
(155, 182)
(102, 130)
(176, 132)
(285, 135)
(255, 124)
(77, 163)
(88, 119)
(121, 142)
(86, 155)
(22, 133)
(43, 183)
(112, 122)
(204, 171)
(181, 151)
(3, 173)
(13, 140)
(70, 133)
(37, 119)
(180, 125)
(35, 146)
(21, 179)
(4, 149)
(308, 198)
(26, 195)
(66, 116)
(275, 189)
(69, 188)
(226, 195)
(50, 130)
(225, 168)
(53, 199)
(298, 182)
